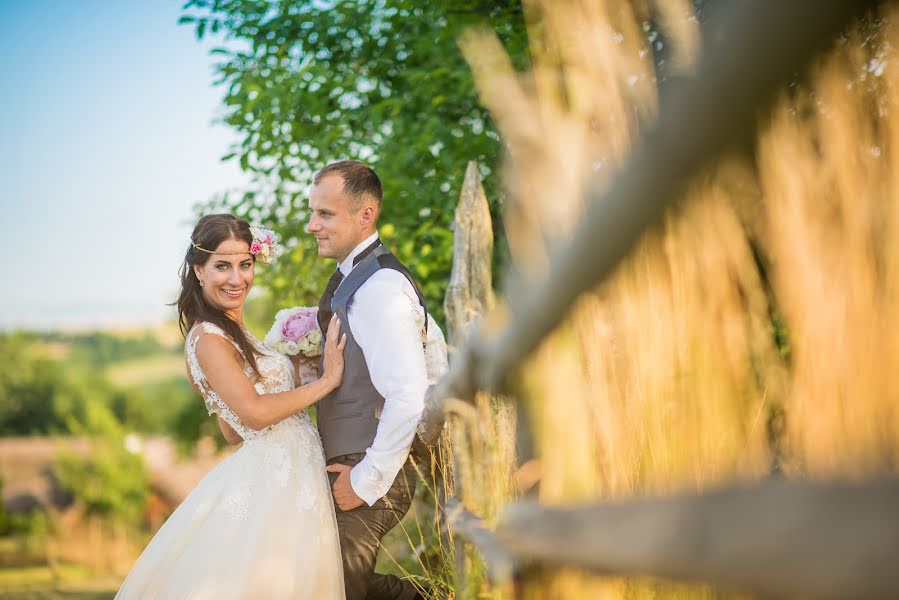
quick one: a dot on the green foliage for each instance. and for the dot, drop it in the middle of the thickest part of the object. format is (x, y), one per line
(155, 407)
(98, 349)
(67, 392)
(41, 395)
(190, 422)
(385, 82)
(32, 527)
(29, 383)
(4, 516)
(111, 482)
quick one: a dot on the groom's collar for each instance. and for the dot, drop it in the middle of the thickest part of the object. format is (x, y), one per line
(349, 262)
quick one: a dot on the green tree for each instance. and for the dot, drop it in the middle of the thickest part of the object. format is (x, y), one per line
(98, 349)
(309, 82)
(111, 482)
(41, 395)
(29, 385)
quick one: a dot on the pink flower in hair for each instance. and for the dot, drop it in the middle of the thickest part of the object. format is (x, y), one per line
(265, 244)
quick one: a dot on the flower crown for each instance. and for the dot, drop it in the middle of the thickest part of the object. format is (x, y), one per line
(264, 246)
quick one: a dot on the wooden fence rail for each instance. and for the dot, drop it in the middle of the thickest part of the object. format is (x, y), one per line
(778, 540)
(775, 539)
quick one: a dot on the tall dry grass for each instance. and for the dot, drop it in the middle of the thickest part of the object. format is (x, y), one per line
(753, 333)
(830, 184)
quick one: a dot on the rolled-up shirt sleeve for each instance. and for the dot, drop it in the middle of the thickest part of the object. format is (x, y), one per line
(387, 321)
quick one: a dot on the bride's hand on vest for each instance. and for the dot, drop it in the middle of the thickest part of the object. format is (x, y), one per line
(333, 362)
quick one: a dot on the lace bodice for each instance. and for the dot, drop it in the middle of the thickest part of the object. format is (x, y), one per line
(275, 369)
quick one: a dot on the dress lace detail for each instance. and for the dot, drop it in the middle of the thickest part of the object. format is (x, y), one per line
(261, 524)
(237, 502)
(276, 372)
(275, 369)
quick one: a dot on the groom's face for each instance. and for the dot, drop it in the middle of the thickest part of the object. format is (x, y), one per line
(336, 227)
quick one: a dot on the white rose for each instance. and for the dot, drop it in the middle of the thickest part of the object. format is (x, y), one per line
(291, 348)
(311, 344)
(283, 314)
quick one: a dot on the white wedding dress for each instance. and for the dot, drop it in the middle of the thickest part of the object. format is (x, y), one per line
(261, 524)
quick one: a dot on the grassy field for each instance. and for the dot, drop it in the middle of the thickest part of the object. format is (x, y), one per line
(136, 372)
(33, 583)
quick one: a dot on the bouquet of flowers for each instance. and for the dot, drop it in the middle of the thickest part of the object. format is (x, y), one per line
(295, 333)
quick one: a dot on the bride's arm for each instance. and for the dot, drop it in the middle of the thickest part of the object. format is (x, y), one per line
(223, 367)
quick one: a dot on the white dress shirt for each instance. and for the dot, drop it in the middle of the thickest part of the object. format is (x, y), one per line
(388, 322)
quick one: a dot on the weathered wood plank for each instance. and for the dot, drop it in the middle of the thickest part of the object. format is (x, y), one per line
(469, 294)
(500, 564)
(777, 540)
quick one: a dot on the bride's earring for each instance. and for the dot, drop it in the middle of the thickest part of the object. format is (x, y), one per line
(201, 283)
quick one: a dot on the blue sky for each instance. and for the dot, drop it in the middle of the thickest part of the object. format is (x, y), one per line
(108, 139)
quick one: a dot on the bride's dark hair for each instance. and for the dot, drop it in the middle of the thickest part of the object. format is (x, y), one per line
(193, 307)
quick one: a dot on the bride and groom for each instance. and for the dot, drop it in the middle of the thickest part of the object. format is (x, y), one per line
(298, 511)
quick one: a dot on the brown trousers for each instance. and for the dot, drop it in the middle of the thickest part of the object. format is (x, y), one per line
(361, 531)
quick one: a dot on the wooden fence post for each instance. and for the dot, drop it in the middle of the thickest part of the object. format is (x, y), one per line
(469, 294)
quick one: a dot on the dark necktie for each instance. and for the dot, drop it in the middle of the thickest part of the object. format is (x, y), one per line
(324, 305)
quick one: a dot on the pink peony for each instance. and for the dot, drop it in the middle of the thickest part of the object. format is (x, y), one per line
(298, 324)
(255, 248)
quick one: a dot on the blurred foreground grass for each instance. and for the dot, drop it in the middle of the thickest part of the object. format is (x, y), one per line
(40, 582)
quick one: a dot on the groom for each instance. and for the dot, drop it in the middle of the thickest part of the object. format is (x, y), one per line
(367, 425)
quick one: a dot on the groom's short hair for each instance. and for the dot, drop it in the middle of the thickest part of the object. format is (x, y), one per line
(359, 181)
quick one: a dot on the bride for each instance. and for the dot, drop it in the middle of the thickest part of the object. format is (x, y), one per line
(261, 524)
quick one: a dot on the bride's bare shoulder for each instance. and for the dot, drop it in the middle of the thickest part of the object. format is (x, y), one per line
(208, 342)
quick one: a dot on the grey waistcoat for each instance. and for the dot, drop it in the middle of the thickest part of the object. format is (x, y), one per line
(348, 416)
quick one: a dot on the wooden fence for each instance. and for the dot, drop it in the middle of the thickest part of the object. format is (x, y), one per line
(776, 539)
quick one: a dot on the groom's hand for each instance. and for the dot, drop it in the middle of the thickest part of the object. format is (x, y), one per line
(344, 495)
